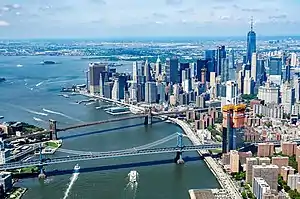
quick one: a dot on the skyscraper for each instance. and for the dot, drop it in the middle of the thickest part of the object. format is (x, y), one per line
(135, 71)
(221, 54)
(254, 67)
(147, 71)
(95, 69)
(174, 70)
(251, 43)
(150, 92)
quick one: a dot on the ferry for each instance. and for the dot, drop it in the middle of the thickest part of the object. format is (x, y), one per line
(76, 168)
(117, 110)
(133, 175)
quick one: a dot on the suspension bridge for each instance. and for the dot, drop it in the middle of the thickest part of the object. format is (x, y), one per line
(147, 149)
(146, 116)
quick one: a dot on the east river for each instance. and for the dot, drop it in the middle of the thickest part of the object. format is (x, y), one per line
(31, 94)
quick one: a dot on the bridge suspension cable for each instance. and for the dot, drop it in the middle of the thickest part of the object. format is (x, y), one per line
(146, 146)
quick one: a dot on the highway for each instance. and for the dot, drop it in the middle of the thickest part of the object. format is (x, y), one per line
(105, 155)
(223, 178)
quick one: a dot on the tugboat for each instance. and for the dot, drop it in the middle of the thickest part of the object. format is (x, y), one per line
(133, 175)
(76, 168)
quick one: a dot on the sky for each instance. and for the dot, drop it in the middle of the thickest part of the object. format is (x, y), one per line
(146, 18)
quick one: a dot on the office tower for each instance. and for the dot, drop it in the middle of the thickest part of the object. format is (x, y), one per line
(240, 81)
(224, 69)
(248, 83)
(296, 82)
(150, 92)
(135, 69)
(234, 161)
(254, 67)
(201, 63)
(182, 67)
(147, 72)
(231, 92)
(193, 67)
(293, 59)
(265, 149)
(231, 59)
(115, 90)
(221, 54)
(287, 76)
(166, 70)
(251, 43)
(102, 80)
(95, 70)
(293, 180)
(261, 71)
(161, 92)
(275, 65)
(174, 70)
(289, 148)
(288, 97)
(269, 93)
(158, 68)
(260, 187)
(267, 172)
(203, 75)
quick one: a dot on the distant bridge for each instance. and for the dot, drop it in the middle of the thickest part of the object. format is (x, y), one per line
(141, 150)
(147, 115)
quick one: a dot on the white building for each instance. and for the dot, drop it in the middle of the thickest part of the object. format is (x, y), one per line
(293, 180)
(294, 59)
(115, 93)
(248, 83)
(260, 187)
(288, 97)
(135, 69)
(231, 92)
(269, 93)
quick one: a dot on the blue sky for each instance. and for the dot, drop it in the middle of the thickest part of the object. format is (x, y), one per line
(148, 18)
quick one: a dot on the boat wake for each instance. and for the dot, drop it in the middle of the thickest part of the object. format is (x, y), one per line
(131, 190)
(39, 119)
(35, 112)
(61, 114)
(40, 83)
(73, 179)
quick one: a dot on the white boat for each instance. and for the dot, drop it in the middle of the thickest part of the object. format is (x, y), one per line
(76, 168)
(133, 175)
(66, 96)
(1, 117)
(19, 65)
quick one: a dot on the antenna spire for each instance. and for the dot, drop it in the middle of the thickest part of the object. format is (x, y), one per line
(251, 26)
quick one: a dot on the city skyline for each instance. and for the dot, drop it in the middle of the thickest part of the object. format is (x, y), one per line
(114, 18)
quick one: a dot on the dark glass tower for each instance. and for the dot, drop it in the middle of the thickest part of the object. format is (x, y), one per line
(251, 42)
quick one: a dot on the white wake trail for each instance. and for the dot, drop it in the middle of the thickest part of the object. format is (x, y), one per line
(73, 179)
(61, 114)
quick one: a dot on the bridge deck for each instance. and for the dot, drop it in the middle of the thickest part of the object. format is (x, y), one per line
(132, 152)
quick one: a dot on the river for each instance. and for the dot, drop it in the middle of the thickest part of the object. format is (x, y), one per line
(31, 94)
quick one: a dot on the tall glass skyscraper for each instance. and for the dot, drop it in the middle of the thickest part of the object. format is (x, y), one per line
(251, 43)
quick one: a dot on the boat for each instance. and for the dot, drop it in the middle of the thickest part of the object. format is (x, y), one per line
(133, 176)
(48, 62)
(76, 168)
(1, 117)
(66, 96)
(117, 110)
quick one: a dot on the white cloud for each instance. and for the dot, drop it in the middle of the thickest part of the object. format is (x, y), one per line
(4, 23)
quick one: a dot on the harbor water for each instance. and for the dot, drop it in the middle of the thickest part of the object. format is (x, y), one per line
(31, 94)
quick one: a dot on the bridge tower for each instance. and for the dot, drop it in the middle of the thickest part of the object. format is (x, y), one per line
(148, 117)
(178, 158)
(42, 174)
(53, 130)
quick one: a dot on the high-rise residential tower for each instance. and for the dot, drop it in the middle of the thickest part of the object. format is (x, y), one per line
(251, 42)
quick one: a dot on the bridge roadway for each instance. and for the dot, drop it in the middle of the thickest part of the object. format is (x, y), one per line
(102, 122)
(275, 142)
(105, 155)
